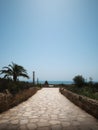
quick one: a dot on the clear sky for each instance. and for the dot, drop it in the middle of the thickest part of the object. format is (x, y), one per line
(58, 39)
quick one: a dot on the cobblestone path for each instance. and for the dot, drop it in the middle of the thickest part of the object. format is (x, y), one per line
(47, 110)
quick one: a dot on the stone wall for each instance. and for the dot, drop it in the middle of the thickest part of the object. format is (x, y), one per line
(87, 104)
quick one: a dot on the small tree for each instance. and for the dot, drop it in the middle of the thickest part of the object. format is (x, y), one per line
(90, 81)
(46, 83)
(79, 80)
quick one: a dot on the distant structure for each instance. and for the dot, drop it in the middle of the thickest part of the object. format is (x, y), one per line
(37, 81)
(46, 84)
(33, 77)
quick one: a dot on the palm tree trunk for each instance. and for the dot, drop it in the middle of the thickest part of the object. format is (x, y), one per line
(14, 78)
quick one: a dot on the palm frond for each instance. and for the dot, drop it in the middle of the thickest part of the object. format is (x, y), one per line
(14, 70)
(24, 75)
(4, 71)
(5, 67)
(5, 76)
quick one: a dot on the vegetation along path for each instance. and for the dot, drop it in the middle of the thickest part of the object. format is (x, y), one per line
(47, 110)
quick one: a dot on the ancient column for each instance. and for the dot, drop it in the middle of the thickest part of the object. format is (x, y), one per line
(33, 77)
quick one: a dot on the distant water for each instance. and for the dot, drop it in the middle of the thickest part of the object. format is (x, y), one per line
(57, 82)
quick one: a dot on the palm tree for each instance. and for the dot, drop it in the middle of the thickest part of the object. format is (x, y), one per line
(13, 70)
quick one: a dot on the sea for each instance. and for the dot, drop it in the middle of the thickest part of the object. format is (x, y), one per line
(57, 82)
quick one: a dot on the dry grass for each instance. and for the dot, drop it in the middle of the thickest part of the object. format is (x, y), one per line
(8, 101)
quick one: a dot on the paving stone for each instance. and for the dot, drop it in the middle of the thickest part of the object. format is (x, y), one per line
(14, 121)
(85, 127)
(43, 128)
(31, 126)
(3, 121)
(54, 117)
(33, 120)
(64, 124)
(71, 128)
(41, 124)
(23, 127)
(43, 120)
(12, 127)
(6, 117)
(54, 122)
(25, 121)
(47, 110)
(76, 123)
(95, 127)
(34, 116)
(2, 126)
(56, 127)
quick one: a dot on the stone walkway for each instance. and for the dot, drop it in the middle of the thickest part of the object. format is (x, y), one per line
(47, 110)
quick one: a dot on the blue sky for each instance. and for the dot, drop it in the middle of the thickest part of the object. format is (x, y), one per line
(58, 39)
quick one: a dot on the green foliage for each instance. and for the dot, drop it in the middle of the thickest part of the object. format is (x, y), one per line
(89, 91)
(96, 95)
(14, 71)
(79, 80)
(13, 87)
(39, 85)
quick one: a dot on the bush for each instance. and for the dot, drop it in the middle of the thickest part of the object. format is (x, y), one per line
(46, 84)
(8, 101)
(79, 80)
(95, 86)
(90, 92)
(13, 87)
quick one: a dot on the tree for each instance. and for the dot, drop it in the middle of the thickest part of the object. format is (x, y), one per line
(90, 81)
(46, 83)
(79, 80)
(13, 70)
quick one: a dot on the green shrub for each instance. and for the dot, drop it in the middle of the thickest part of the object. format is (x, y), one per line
(14, 87)
(85, 91)
(79, 80)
